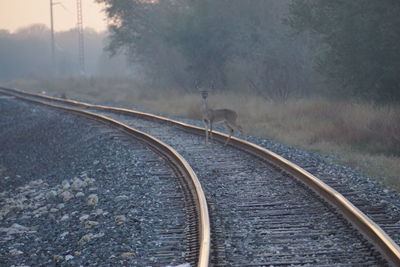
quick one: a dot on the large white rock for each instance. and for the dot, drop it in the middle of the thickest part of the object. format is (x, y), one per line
(93, 199)
(67, 195)
(77, 184)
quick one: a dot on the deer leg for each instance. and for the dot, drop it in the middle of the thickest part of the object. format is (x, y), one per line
(230, 134)
(240, 129)
(206, 128)
(237, 127)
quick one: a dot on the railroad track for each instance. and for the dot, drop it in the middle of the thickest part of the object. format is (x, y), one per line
(260, 215)
(180, 231)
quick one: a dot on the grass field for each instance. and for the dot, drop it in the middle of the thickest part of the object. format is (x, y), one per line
(366, 136)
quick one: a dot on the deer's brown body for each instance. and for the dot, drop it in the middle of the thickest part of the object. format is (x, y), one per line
(213, 116)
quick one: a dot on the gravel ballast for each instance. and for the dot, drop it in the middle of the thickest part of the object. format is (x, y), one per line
(255, 207)
(95, 198)
(363, 191)
(361, 188)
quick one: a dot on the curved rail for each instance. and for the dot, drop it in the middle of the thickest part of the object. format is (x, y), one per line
(174, 157)
(374, 233)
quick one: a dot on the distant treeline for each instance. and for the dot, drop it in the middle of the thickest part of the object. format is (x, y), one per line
(275, 47)
(359, 44)
(27, 54)
(225, 44)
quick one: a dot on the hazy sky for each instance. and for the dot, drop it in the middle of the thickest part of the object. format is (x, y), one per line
(20, 13)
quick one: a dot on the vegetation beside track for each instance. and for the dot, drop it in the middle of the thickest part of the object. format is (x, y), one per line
(364, 136)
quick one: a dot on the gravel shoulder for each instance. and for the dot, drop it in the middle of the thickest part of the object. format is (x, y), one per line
(55, 165)
(364, 192)
(95, 198)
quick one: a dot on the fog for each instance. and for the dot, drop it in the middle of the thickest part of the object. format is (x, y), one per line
(227, 50)
(27, 54)
(274, 48)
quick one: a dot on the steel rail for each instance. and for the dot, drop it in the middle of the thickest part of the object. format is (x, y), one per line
(168, 152)
(369, 229)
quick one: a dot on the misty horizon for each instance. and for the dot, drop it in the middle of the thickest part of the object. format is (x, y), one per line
(21, 13)
(27, 53)
(23, 28)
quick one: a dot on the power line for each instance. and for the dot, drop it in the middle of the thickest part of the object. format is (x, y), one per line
(52, 35)
(81, 47)
(80, 38)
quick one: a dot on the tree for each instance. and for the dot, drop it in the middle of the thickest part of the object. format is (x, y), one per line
(138, 28)
(225, 44)
(360, 44)
(203, 34)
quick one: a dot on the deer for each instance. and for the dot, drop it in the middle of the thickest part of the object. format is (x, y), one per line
(214, 116)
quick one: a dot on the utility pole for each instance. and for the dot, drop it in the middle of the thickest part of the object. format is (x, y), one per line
(52, 36)
(80, 38)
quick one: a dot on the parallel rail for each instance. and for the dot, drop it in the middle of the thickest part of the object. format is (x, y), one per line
(387, 247)
(180, 164)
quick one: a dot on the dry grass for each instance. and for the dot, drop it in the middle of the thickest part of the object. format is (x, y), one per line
(367, 136)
